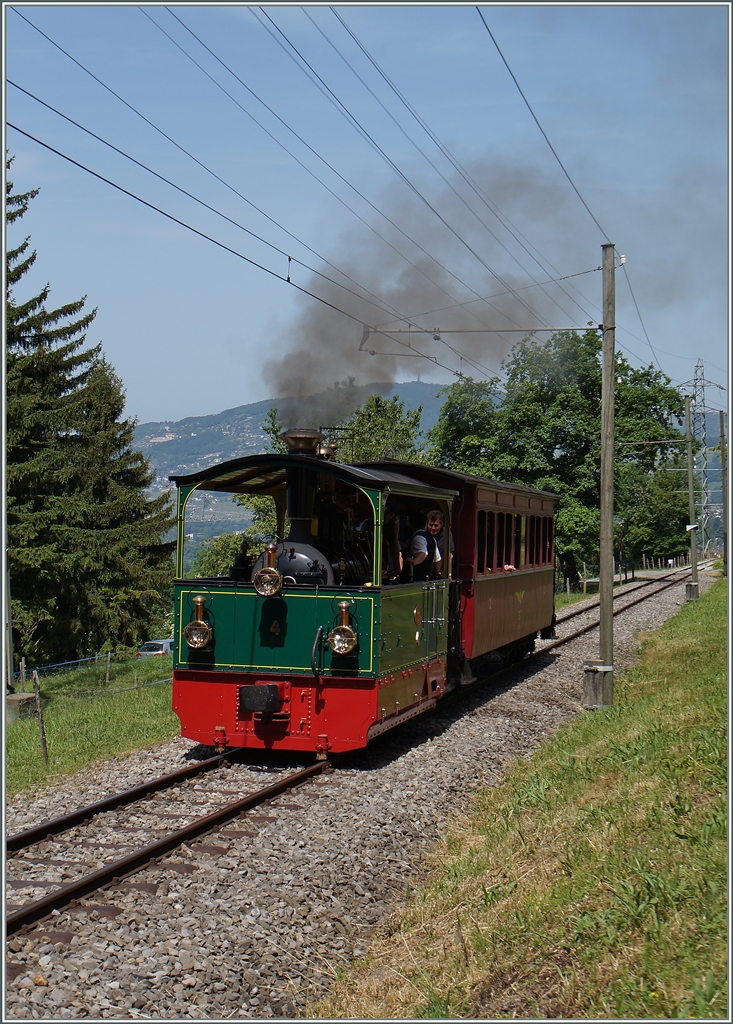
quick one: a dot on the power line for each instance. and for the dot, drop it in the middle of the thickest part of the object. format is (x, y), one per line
(319, 157)
(203, 166)
(572, 183)
(403, 177)
(442, 309)
(451, 186)
(463, 173)
(183, 224)
(638, 311)
(544, 133)
(221, 245)
(213, 209)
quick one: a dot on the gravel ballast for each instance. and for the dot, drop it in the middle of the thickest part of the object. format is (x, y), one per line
(257, 925)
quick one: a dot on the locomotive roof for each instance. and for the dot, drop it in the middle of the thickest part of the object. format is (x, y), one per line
(265, 472)
(452, 475)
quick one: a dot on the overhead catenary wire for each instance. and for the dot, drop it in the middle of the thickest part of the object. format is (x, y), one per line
(506, 223)
(503, 219)
(201, 164)
(353, 188)
(516, 234)
(196, 160)
(426, 157)
(269, 109)
(224, 216)
(402, 176)
(497, 295)
(567, 175)
(638, 311)
(209, 238)
(542, 130)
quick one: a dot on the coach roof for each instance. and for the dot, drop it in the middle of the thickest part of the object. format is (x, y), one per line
(452, 476)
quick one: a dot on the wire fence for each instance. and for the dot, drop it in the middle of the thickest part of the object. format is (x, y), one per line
(108, 657)
(88, 678)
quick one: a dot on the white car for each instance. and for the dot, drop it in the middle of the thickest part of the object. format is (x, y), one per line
(155, 649)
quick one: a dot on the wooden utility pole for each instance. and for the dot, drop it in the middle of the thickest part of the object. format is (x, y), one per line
(724, 481)
(598, 682)
(692, 587)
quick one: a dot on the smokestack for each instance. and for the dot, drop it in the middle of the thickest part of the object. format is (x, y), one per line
(302, 440)
(301, 484)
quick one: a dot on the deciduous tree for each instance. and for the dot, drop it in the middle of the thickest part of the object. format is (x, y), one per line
(544, 430)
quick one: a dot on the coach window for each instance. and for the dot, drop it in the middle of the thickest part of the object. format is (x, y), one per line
(517, 560)
(499, 541)
(481, 545)
(550, 553)
(509, 542)
(530, 540)
(490, 542)
(544, 540)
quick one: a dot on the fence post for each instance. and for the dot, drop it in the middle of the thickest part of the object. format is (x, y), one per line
(106, 677)
(39, 712)
(21, 675)
(137, 684)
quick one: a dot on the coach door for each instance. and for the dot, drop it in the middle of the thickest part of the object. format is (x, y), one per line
(434, 606)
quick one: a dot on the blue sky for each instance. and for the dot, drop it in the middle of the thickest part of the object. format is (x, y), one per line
(633, 98)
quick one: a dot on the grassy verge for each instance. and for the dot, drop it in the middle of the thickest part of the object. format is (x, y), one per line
(94, 675)
(563, 601)
(593, 882)
(81, 730)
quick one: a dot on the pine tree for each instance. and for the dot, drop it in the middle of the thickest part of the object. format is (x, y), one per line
(86, 556)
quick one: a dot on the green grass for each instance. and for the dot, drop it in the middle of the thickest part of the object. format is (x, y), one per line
(563, 601)
(593, 882)
(82, 730)
(91, 676)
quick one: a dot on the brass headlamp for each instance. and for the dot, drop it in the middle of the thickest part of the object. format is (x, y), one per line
(342, 639)
(267, 580)
(198, 633)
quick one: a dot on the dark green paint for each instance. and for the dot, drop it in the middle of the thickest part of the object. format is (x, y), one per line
(252, 633)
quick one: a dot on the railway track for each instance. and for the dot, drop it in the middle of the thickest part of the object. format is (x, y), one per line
(662, 583)
(638, 585)
(73, 836)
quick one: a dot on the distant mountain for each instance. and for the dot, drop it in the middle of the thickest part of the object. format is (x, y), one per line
(185, 446)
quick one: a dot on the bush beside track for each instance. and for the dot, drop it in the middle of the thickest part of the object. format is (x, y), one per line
(593, 882)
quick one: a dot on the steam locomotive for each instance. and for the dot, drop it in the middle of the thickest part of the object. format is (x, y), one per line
(318, 646)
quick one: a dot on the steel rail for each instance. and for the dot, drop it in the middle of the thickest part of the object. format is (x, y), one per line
(639, 584)
(134, 862)
(56, 825)
(596, 624)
